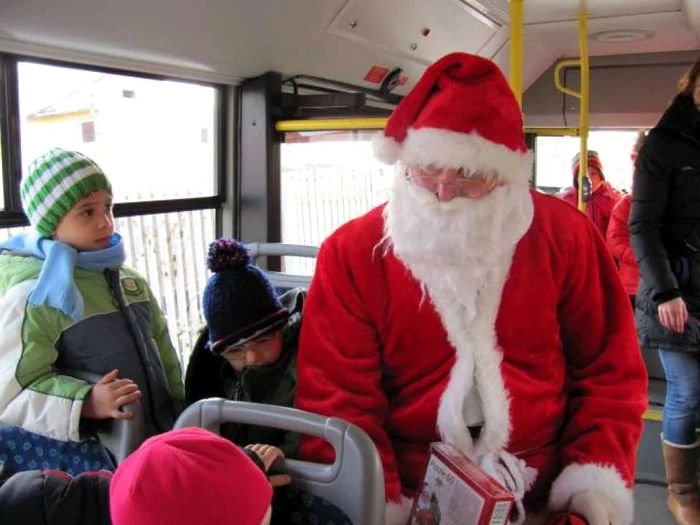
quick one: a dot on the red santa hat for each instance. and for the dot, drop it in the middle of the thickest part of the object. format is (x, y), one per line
(189, 476)
(460, 114)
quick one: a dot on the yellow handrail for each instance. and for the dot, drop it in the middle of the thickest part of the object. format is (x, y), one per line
(555, 132)
(516, 49)
(340, 124)
(331, 124)
(583, 95)
(557, 77)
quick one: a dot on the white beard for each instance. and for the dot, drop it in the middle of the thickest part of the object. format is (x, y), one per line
(460, 252)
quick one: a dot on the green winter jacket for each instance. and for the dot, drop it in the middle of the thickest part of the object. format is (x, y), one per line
(122, 328)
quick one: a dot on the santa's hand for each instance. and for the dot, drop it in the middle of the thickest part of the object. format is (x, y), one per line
(596, 508)
(514, 475)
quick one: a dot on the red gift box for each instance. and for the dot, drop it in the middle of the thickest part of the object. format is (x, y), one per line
(454, 490)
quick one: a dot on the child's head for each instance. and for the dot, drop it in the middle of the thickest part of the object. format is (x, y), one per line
(189, 476)
(244, 315)
(68, 197)
(595, 168)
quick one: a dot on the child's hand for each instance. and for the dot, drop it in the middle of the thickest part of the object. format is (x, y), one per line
(110, 393)
(268, 455)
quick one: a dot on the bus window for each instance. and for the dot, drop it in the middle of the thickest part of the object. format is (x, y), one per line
(554, 155)
(152, 137)
(156, 140)
(327, 179)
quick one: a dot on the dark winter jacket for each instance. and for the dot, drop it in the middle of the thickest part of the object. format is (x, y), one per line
(34, 497)
(209, 375)
(665, 225)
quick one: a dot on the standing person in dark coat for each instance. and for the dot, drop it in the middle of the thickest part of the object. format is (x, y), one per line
(665, 229)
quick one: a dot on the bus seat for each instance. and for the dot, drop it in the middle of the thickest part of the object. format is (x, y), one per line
(121, 437)
(354, 483)
(283, 281)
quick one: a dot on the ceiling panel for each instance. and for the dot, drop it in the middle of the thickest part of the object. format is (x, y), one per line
(217, 35)
(666, 32)
(536, 60)
(227, 40)
(419, 30)
(540, 11)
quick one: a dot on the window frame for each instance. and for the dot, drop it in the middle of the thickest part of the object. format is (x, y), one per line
(12, 214)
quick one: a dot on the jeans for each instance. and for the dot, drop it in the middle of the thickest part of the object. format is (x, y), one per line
(682, 371)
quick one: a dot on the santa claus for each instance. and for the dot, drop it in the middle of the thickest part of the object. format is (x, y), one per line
(471, 310)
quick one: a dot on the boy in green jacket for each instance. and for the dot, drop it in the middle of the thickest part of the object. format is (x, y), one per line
(67, 302)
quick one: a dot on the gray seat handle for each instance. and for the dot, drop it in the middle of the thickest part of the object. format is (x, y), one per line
(120, 436)
(263, 249)
(280, 279)
(354, 482)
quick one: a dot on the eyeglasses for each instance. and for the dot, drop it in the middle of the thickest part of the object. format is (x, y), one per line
(238, 350)
(430, 178)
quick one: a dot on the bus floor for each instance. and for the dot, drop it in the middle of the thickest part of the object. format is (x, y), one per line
(650, 505)
(650, 489)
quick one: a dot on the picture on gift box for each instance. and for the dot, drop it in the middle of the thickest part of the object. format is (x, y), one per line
(428, 510)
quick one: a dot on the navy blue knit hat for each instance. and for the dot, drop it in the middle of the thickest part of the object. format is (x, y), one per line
(239, 301)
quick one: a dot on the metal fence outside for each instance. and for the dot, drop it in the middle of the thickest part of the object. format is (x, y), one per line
(169, 250)
(319, 198)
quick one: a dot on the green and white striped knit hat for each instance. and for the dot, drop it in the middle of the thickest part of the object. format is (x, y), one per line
(55, 181)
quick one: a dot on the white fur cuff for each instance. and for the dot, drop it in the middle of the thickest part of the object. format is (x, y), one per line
(396, 512)
(596, 478)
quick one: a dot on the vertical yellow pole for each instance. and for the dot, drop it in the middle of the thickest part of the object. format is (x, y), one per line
(585, 87)
(516, 48)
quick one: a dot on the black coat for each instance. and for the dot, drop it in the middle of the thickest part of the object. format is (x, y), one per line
(34, 497)
(665, 225)
(209, 375)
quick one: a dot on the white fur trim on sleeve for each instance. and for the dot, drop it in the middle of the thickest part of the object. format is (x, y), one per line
(597, 478)
(396, 512)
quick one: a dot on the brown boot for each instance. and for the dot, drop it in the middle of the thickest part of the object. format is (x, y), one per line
(682, 476)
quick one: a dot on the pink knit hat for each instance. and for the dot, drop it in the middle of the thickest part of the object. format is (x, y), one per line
(189, 476)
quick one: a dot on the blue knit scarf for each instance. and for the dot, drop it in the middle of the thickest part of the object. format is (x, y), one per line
(56, 286)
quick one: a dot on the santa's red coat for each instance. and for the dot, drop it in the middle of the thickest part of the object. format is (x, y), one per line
(374, 351)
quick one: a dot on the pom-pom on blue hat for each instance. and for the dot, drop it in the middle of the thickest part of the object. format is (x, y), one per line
(239, 301)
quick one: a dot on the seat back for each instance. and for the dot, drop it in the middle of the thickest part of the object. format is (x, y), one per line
(284, 281)
(120, 436)
(354, 482)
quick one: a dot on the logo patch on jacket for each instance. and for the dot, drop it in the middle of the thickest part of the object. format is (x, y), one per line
(131, 286)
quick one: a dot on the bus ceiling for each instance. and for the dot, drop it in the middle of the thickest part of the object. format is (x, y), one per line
(358, 42)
